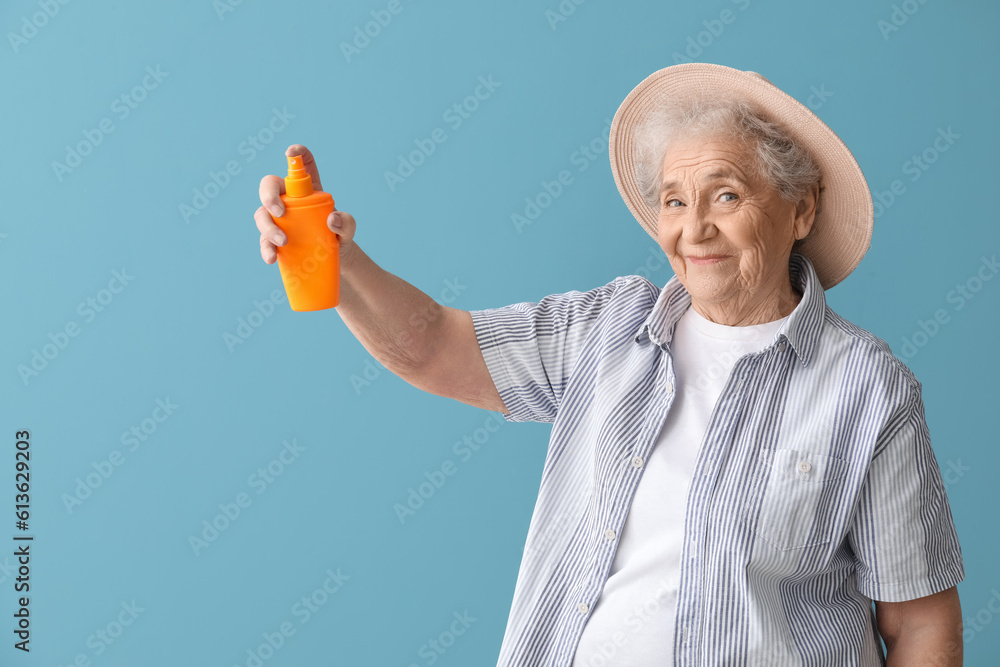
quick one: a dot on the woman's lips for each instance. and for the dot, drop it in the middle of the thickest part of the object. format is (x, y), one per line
(706, 259)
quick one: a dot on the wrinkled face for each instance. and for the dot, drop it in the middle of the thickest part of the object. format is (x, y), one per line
(727, 235)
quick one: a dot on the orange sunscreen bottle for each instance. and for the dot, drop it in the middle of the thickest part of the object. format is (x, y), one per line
(309, 261)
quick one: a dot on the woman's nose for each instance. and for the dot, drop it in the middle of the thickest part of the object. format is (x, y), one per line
(698, 225)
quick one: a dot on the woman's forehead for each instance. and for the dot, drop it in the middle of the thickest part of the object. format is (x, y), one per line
(706, 161)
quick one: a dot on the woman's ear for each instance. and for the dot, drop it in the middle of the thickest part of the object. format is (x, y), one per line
(805, 212)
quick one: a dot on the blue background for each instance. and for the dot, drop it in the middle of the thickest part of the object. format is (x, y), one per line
(301, 376)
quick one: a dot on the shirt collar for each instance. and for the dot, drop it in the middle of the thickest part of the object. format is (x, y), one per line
(801, 329)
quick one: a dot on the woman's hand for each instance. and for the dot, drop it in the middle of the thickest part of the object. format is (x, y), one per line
(272, 187)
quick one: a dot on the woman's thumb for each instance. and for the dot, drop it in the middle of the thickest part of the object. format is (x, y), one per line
(342, 224)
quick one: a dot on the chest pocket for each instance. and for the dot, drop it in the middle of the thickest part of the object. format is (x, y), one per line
(799, 495)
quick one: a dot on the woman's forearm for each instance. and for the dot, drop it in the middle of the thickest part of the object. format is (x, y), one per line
(394, 320)
(926, 649)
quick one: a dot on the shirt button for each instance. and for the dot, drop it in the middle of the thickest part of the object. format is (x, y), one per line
(805, 466)
(669, 388)
(781, 346)
(610, 534)
(583, 608)
(636, 461)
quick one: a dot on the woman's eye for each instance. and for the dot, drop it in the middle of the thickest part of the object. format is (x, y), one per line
(669, 203)
(733, 194)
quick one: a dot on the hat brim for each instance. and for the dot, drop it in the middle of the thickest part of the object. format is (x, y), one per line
(842, 229)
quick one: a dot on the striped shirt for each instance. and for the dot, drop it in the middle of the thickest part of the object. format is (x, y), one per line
(815, 489)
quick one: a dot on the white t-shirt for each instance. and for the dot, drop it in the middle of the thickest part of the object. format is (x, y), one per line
(632, 623)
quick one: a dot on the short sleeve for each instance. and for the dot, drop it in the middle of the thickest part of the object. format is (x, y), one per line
(531, 348)
(903, 534)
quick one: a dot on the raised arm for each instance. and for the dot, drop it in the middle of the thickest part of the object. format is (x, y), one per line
(431, 346)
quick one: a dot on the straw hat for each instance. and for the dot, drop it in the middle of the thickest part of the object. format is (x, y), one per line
(842, 230)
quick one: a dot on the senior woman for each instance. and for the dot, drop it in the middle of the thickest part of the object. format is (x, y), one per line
(735, 472)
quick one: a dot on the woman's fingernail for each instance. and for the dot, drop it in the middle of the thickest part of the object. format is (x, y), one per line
(278, 210)
(336, 220)
(279, 239)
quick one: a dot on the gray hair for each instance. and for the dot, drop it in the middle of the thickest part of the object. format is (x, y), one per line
(778, 159)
